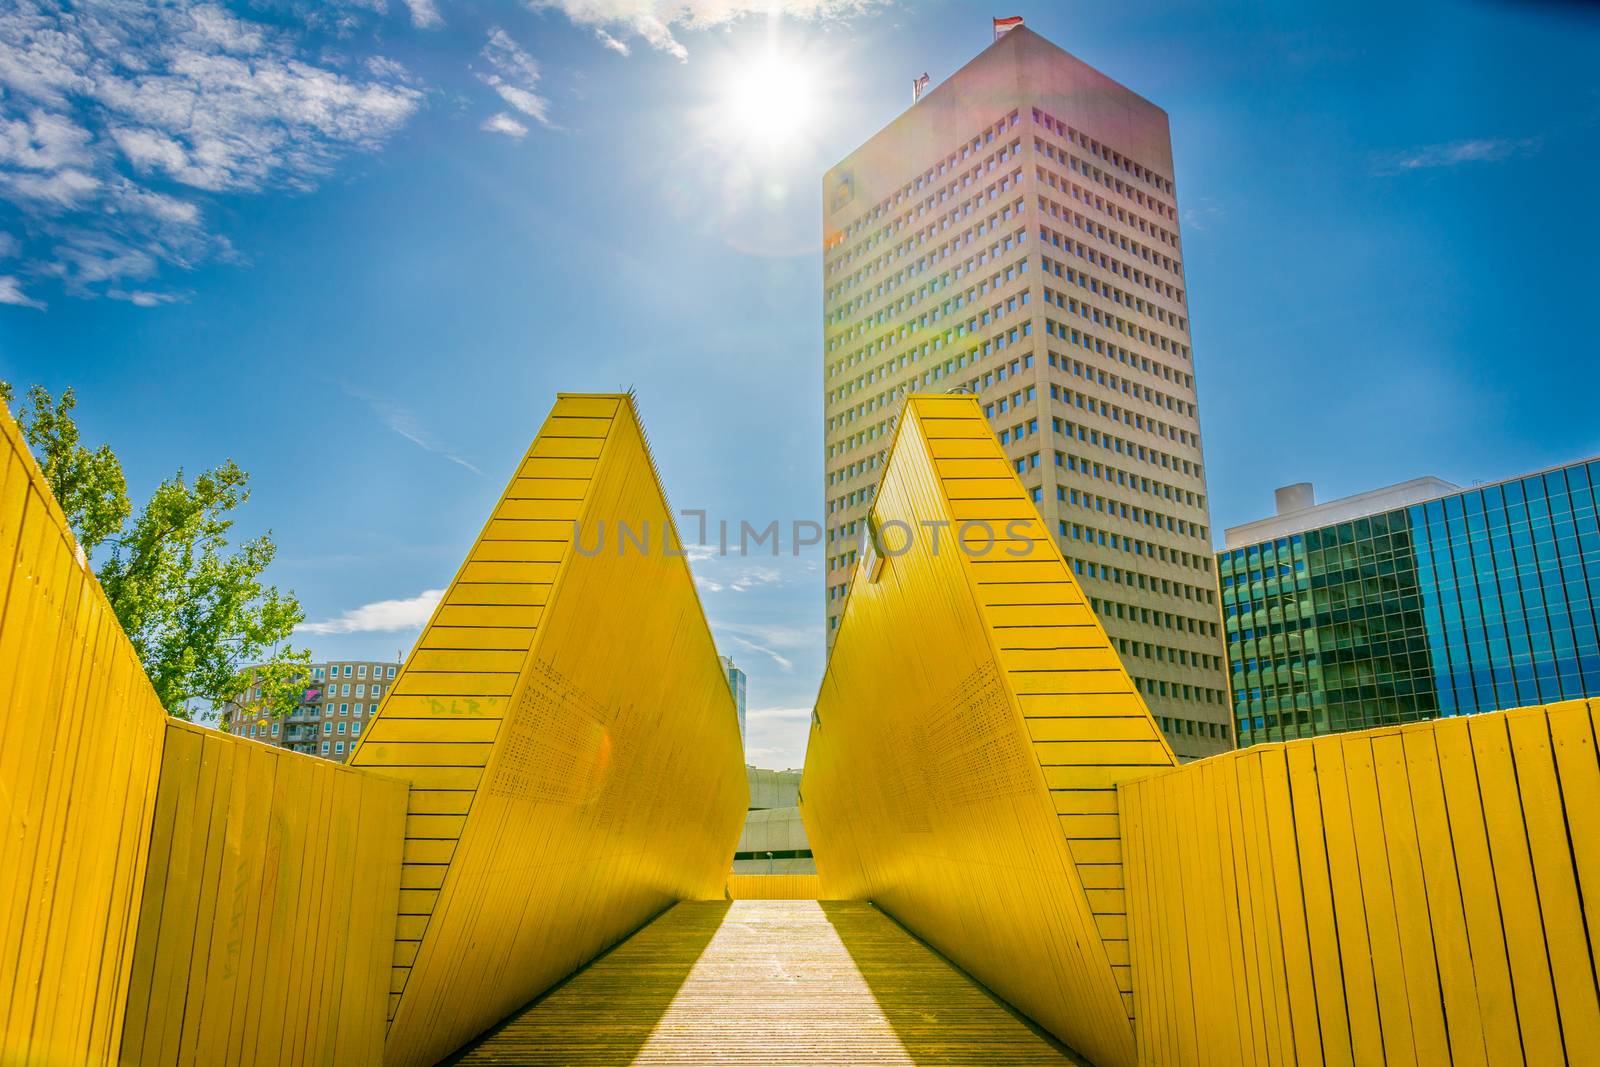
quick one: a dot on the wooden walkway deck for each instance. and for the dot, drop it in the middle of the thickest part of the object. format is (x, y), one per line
(769, 982)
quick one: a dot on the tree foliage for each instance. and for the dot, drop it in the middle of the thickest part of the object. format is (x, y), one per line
(193, 605)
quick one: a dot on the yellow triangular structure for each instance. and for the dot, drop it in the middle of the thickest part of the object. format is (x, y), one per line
(970, 733)
(568, 734)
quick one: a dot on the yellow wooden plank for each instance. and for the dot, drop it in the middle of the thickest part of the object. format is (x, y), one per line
(1411, 903)
(1560, 906)
(581, 405)
(1333, 1026)
(1513, 880)
(1572, 738)
(1469, 840)
(472, 661)
(1452, 948)
(488, 615)
(1097, 728)
(393, 728)
(485, 637)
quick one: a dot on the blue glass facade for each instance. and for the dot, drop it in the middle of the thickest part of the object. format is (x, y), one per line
(1479, 600)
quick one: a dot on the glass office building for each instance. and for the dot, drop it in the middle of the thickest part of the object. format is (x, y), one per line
(1470, 601)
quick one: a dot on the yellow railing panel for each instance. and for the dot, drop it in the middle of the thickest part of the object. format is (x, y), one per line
(80, 742)
(1411, 895)
(171, 895)
(268, 912)
(773, 887)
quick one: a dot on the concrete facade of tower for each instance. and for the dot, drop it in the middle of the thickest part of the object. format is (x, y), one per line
(1015, 235)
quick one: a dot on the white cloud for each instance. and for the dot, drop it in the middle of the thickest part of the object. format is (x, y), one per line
(654, 20)
(404, 422)
(500, 122)
(772, 641)
(144, 298)
(383, 616)
(514, 75)
(620, 47)
(52, 192)
(134, 109)
(784, 663)
(739, 580)
(776, 737)
(424, 14)
(776, 635)
(1455, 153)
(42, 141)
(11, 293)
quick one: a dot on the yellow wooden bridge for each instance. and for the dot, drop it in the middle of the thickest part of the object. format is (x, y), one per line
(525, 860)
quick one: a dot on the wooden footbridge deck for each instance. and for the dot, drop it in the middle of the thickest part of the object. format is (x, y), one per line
(768, 982)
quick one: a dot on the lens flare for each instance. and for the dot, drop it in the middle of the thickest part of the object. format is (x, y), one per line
(769, 101)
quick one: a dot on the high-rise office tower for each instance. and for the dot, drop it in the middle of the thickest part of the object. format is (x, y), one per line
(1015, 235)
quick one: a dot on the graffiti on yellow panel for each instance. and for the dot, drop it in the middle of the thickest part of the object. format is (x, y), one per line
(568, 735)
(969, 735)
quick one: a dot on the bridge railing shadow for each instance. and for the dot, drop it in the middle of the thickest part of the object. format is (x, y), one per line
(938, 1012)
(580, 1023)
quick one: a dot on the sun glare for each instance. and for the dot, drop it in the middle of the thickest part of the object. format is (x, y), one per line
(770, 100)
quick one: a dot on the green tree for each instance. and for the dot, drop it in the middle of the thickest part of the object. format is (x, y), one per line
(193, 605)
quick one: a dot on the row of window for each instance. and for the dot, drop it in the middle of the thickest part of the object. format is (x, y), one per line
(355, 709)
(1117, 295)
(1190, 728)
(1110, 441)
(1166, 620)
(1102, 152)
(1118, 509)
(1129, 218)
(1114, 412)
(343, 690)
(1112, 350)
(1005, 185)
(333, 671)
(1089, 311)
(1007, 306)
(962, 240)
(997, 341)
(950, 335)
(1050, 237)
(1145, 582)
(931, 288)
(259, 730)
(1200, 561)
(1126, 479)
(905, 193)
(1112, 236)
(1182, 657)
(957, 211)
(1195, 694)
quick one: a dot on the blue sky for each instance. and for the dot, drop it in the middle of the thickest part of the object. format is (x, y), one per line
(359, 246)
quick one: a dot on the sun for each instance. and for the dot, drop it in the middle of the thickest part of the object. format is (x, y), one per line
(768, 100)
